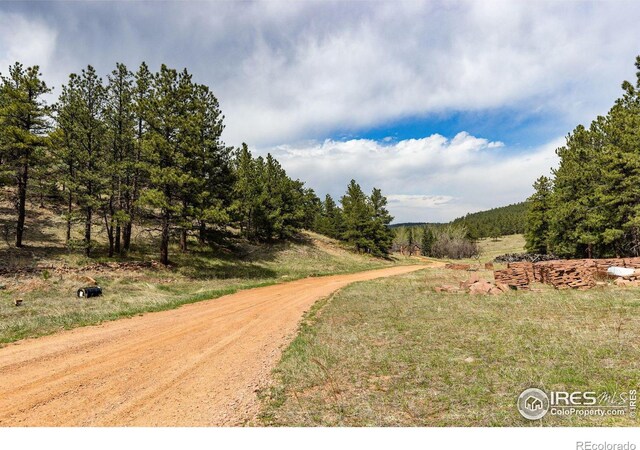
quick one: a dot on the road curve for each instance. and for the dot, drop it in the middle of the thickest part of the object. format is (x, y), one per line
(198, 365)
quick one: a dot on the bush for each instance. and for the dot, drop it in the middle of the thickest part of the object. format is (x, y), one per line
(452, 242)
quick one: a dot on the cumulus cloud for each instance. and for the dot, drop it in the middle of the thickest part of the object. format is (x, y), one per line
(288, 75)
(31, 42)
(290, 71)
(429, 179)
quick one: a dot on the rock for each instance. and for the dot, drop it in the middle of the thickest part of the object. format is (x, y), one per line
(488, 266)
(622, 282)
(458, 266)
(447, 288)
(503, 287)
(87, 279)
(480, 287)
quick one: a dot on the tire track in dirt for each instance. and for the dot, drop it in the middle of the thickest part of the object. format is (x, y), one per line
(198, 365)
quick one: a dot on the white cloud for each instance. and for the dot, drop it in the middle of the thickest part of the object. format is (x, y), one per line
(285, 72)
(30, 42)
(412, 58)
(429, 179)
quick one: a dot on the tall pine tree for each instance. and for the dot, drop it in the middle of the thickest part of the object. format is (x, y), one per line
(24, 122)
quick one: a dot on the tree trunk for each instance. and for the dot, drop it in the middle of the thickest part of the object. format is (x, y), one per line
(126, 236)
(109, 234)
(183, 240)
(117, 238)
(69, 209)
(22, 200)
(164, 241)
(202, 232)
(87, 231)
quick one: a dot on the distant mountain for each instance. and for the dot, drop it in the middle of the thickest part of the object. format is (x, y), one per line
(408, 224)
(500, 221)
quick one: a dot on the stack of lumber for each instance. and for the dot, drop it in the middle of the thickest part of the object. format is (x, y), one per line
(562, 274)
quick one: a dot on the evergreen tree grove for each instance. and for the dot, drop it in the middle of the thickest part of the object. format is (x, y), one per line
(145, 149)
(591, 207)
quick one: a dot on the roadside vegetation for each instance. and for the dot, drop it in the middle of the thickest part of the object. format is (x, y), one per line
(46, 275)
(125, 182)
(392, 352)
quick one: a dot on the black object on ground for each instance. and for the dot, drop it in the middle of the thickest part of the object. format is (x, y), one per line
(91, 291)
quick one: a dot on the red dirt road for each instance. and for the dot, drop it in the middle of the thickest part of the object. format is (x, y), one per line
(198, 365)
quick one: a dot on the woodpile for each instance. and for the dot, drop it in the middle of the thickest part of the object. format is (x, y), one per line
(562, 274)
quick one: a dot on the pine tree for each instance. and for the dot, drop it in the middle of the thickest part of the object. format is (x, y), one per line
(141, 101)
(121, 157)
(381, 234)
(329, 220)
(23, 124)
(81, 117)
(168, 146)
(357, 218)
(211, 195)
(427, 240)
(538, 217)
(245, 190)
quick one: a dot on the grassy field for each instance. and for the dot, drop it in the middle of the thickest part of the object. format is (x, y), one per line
(50, 305)
(393, 352)
(490, 248)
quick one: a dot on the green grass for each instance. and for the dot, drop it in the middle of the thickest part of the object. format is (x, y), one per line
(490, 248)
(392, 352)
(50, 305)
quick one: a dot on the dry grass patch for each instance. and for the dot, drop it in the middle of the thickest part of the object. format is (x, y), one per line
(392, 352)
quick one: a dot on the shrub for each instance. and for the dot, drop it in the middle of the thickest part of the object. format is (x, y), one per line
(452, 242)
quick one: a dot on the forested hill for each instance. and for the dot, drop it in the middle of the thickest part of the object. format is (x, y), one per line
(495, 222)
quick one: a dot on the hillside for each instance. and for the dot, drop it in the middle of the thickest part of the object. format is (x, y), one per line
(501, 221)
(45, 274)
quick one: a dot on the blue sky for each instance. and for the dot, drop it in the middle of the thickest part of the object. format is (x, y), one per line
(448, 106)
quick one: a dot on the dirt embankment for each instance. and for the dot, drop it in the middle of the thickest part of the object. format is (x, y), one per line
(199, 365)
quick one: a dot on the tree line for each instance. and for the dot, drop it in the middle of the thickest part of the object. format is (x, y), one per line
(144, 147)
(495, 222)
(590, 206)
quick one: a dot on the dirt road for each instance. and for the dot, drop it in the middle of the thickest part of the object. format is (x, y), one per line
(198, 365)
